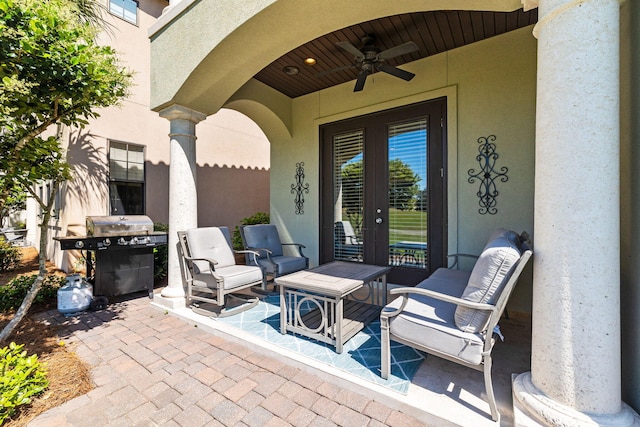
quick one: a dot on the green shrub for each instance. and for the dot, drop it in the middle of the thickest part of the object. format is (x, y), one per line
(12, 294)
(160, 255)
(21, 377)
(10, 256)
(257, 218)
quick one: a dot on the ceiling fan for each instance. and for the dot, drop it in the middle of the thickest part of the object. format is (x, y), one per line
(370, 59)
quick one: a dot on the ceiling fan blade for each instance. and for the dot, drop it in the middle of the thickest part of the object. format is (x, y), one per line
(404, 75)
(401, 49)
(362, 77)
(335, 70)
(351, 49)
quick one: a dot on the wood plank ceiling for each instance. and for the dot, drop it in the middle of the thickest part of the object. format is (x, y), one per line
(433, 32)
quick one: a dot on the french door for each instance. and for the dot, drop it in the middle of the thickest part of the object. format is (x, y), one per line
(383, 200)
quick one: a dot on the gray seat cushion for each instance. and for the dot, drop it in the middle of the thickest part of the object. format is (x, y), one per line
(286, 264)
(429, 323)
(488, 277)
(233, 276)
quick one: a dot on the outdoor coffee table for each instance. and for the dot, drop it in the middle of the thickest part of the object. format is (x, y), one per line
(345, 297)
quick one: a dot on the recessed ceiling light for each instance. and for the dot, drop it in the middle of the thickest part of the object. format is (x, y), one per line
(310, 61)
(291, 70)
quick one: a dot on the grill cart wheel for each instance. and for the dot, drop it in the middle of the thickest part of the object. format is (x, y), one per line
(99, 303)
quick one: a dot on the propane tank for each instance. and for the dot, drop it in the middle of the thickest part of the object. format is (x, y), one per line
(75, 295)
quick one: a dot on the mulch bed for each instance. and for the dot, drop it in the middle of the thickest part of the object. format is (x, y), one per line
(68, 375)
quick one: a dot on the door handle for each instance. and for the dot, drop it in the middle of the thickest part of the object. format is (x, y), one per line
(378, 220)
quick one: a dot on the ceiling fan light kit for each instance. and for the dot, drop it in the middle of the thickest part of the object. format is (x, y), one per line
(370, 59)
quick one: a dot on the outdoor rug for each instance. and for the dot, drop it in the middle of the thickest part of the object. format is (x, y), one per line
(360, 355)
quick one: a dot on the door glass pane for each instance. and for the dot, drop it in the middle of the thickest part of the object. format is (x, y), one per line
(408, 194)
(348, 195)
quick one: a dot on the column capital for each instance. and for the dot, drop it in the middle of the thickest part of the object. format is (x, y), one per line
(179, 112)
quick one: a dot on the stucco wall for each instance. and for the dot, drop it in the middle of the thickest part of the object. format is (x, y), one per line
(232, 151)
(490, 87)
(237, 38)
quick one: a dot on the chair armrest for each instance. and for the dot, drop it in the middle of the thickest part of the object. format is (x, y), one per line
(254, 254)
(247, 251)
(209, 260)
(404, 292)
(299, 246)
(212, 262)
(259, 250)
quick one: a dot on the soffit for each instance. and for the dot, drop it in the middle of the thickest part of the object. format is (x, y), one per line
(434, 32)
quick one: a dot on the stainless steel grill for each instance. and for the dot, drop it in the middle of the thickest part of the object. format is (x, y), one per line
(123, 251)
(105, 226)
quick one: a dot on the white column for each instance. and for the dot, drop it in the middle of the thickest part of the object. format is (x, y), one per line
(183, 198)
(575, 364)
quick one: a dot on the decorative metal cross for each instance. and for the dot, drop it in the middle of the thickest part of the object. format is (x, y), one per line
(487, 175)
(299, 188)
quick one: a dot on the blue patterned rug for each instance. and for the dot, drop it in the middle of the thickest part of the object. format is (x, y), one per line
(360, 355)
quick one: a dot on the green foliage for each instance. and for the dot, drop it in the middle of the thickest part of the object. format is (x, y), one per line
(12, 294)
(52, 71)
(256, 218)
(21, 377)
(403, 185)
(10, 256)
(160, 255)
(51, 66)
(16, 200)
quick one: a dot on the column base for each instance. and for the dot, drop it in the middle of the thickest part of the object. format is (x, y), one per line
(169, 301)
(531, 407)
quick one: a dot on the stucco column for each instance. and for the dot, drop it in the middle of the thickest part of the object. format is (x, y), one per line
(575, 363)
(183, 198)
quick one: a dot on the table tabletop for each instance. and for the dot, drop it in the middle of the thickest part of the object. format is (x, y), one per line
(336, 278)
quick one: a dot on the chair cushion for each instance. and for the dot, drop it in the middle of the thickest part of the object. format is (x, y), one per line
(286, 264)
(263, 236)
(488, 277)
(210, 242)
(233, 275)
(429, 323)
(239, 275)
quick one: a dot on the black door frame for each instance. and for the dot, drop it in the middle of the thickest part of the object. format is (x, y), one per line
(375, 127)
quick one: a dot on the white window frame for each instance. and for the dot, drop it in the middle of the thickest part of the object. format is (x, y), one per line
(118, 8)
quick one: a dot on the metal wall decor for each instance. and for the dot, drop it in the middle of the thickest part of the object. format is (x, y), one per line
(487, 175)
(299, 188)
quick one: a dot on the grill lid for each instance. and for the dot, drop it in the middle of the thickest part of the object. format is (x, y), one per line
(100, 226)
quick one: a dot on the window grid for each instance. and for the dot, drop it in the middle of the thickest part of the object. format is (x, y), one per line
(127, 179)
(125, 9)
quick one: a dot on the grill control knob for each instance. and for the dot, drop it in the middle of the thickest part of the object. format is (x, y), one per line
(134, 241)
(107, 242)
(79, 244)
(121, 241)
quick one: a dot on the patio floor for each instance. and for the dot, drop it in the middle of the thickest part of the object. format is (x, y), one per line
(442, 393)
(153, 367)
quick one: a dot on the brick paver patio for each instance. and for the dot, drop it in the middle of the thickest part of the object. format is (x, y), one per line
(151, 368)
